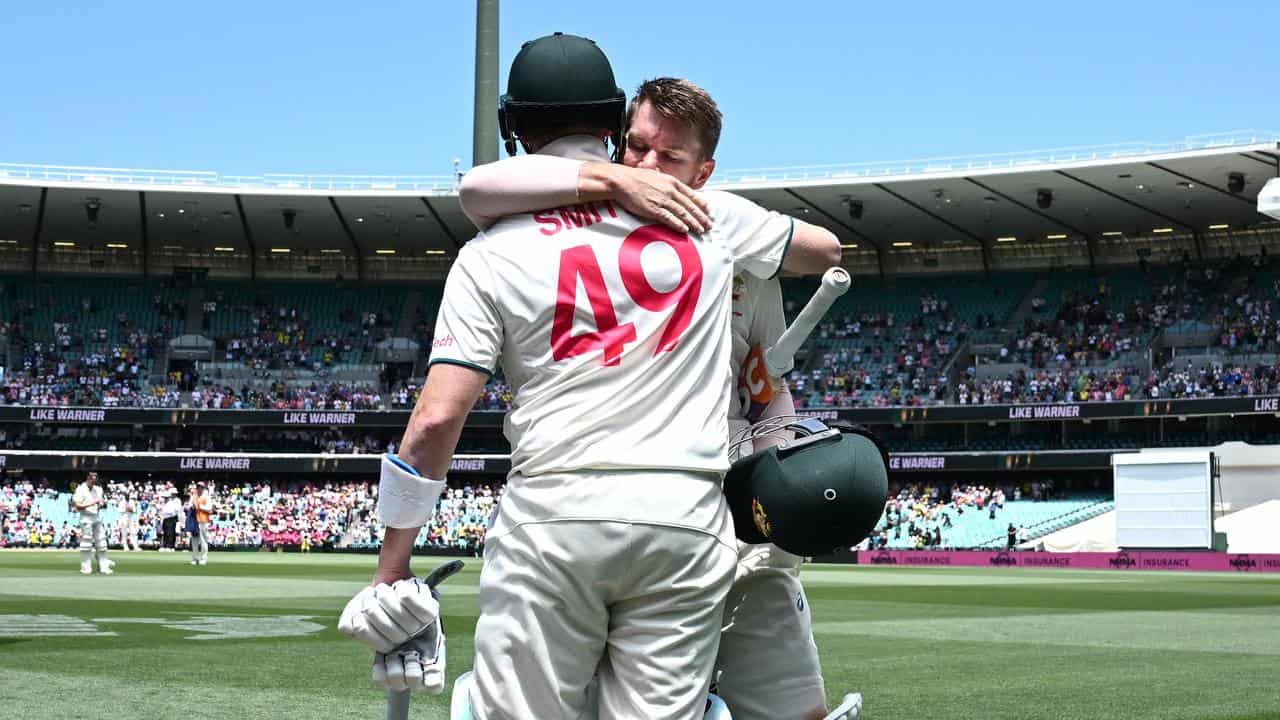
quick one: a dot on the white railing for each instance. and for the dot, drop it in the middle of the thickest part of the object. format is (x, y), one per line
(196, 179)
(1053, 156)
(447, 184)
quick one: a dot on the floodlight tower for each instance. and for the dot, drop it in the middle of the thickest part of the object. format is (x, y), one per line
(484, 147)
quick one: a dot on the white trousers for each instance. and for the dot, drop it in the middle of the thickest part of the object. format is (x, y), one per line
(639, 604)
(200, 543)
(767, 667)
(93, 540)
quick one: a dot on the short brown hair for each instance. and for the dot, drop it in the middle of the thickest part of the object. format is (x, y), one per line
(678, 99)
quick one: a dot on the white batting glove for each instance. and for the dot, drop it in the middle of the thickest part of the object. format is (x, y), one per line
(384, 617)
(849, 709)
(416, 666)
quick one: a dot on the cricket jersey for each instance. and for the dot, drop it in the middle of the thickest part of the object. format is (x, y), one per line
(614, 334)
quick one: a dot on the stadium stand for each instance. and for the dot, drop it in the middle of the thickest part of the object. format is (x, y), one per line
(978, 516)
(340, 515)
(249, 515)
(1018, 337)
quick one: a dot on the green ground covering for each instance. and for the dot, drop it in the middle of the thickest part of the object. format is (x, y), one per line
(253, 636)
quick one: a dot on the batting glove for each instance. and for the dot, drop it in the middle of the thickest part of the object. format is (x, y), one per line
(384, 617)
(849, 709)
(416, 666)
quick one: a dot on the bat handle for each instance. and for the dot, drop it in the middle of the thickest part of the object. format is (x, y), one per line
(398, 700)
(398, 704)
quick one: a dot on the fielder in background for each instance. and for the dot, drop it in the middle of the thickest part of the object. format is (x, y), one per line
(767, 666)
(128, 524)
(89, 501)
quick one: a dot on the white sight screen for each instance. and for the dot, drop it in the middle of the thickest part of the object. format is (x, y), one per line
(1163, 505)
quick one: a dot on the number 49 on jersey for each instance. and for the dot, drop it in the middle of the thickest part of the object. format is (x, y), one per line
(611, 336)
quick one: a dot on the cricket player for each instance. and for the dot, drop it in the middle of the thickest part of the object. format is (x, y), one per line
(613, 548)
(128, 524)
(767, 666)
(89, 501)
(202, 506)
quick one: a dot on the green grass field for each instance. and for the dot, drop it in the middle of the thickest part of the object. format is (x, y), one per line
(253, 636)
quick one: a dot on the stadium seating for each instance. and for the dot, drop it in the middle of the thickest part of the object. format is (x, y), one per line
(975, 517)
(886, 342)
(253, 516)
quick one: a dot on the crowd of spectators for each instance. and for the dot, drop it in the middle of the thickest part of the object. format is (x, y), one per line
(108, 377)
(24, 524)
(1084, 346)
(874, 360)
(921, 514)
(278, 338)
(302, 516)
(1171, 380)
(1055, 385)
(1246, 314)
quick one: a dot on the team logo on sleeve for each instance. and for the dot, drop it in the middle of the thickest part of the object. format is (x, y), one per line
(761, 518)
(754, 386)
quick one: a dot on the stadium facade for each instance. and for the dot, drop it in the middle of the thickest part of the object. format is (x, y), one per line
(1007, 224)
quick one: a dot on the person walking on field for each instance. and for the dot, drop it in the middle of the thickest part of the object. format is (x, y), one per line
(89, 501)
(202, 506)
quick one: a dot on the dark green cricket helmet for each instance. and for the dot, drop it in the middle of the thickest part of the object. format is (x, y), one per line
(560, 79)
(824, 490)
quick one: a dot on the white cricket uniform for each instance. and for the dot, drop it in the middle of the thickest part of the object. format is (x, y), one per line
(93, 537)
(767, 666)
(613, 547)
(129, 525)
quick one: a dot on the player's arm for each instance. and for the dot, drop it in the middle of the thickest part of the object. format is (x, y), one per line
(465, 351)
(764, 242)
(427, 447)
(532, 182)
(813, 250)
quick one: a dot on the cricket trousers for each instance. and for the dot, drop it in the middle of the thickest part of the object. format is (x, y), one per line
(93, 542)
(561, 602)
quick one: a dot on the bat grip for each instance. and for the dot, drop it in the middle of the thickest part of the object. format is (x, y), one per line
(398, 704)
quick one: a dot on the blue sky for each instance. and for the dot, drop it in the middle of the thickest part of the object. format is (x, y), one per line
(386, 87)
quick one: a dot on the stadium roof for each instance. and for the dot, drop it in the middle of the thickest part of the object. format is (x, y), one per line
(1201, 184)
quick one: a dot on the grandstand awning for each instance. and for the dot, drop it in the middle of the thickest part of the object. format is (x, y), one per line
(1029, 197)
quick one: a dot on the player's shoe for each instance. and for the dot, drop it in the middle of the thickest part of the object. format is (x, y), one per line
(848, 709)
(193, 562)
(106, 567)
(204, 562)
(86, 569)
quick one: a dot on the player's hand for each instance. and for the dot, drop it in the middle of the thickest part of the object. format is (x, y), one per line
(650, 195)
(385, 617)
(416, 666)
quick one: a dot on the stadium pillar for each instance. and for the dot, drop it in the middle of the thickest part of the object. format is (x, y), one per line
(35, 235)
(142, 218)
(484, 139)
(248, 240)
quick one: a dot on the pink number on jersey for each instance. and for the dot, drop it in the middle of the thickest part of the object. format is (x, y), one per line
(684, 295)
(580, 262)
(609, 336)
